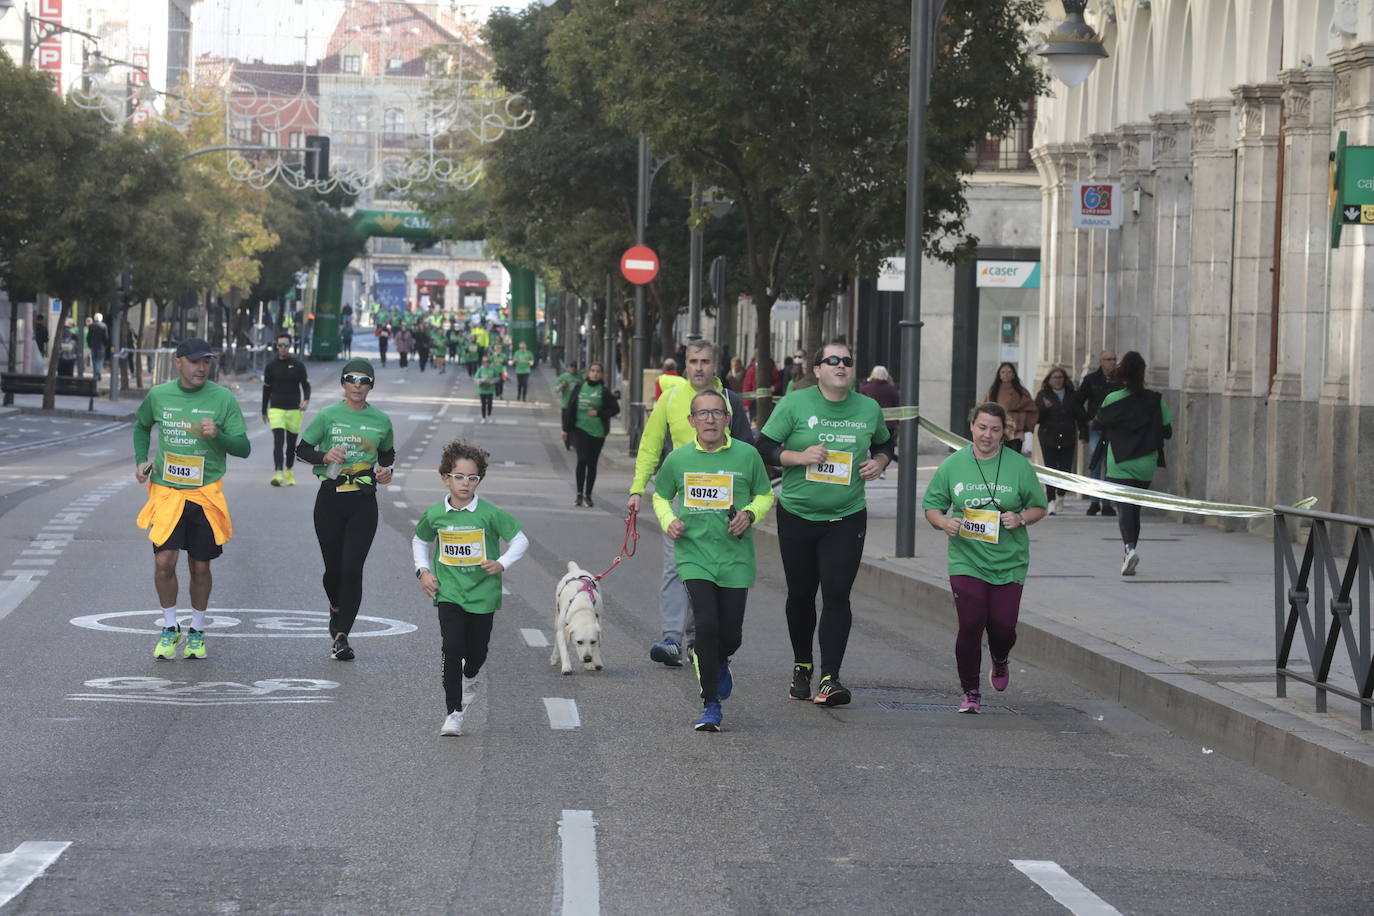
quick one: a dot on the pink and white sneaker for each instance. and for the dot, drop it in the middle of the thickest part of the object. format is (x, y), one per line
(1000, 676)
(973, 701)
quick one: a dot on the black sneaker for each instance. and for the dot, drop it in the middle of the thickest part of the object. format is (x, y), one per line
(588, 500)
(579, 500)
(832, 693)
(1108, 511)
(342, 651)
(1094, 508)
(801, 683)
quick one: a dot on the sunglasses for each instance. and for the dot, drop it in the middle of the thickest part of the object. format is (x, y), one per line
(358, 379)
(283, 346)
(470, 478)
(846, 361)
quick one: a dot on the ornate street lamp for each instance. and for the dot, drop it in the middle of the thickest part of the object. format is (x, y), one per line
(1072, 48)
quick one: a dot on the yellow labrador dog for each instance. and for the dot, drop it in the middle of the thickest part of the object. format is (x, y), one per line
(577, 620)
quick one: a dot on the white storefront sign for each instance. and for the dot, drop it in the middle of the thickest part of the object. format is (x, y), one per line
(1009, 274)
(1097, 205)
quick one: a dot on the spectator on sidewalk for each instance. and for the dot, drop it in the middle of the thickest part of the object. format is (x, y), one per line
(1134, 422)
(1059, 426)
(669, 375)
(879, 387)
(734, 379)
(1007, 390)
(40, 335)
(98, 342)
(405, 340)
(1092, 391)
(67, 349)
(991, 494)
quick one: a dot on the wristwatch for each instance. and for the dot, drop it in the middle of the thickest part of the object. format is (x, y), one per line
(421, 571)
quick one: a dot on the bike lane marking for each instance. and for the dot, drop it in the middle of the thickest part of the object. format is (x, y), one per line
(1067, 890)
(28, 861)
(581, 881)
(562, 713)
(277, 623)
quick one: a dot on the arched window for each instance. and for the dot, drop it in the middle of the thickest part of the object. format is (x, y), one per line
(393, 125)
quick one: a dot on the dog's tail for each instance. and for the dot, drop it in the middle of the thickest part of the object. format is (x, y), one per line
(572, 566)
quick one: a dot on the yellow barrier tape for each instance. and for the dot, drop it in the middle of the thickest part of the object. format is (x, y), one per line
(1101, 489)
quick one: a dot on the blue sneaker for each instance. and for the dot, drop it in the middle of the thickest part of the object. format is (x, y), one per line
(710, 718)
(725, 682)
(669, 652)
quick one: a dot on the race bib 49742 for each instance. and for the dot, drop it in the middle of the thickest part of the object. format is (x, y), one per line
(708, 491)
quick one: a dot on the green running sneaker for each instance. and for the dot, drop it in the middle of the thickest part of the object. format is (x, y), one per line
(277, 478)
(195, 644)
(167, 643)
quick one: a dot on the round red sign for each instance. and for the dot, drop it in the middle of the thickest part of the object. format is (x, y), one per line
(639, 264)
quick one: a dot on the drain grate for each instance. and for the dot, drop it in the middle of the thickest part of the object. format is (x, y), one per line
(898, 706)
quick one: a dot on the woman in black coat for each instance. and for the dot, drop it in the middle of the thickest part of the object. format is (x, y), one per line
(1061, 422)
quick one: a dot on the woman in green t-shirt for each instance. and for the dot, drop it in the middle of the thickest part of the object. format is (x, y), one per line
(488, 380)
(352, 446)
(1134, 422)
(586, 421)
(993, 494)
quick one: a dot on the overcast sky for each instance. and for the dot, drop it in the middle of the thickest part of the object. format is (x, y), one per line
(283, 31)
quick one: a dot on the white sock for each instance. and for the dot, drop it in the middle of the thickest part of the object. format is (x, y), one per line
(197, 620)
(169, 617)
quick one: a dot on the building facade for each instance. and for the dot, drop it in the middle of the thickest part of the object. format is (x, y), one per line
(1219, 119)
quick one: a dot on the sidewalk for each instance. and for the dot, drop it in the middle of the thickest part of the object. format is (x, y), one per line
(1188, 642)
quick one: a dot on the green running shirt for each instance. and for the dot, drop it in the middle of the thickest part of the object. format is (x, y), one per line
(362, 433)
(185, 459)
(462, 540)
(963, 482)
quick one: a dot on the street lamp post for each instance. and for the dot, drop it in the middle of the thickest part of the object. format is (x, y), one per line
(639, 351)
(1071, 49)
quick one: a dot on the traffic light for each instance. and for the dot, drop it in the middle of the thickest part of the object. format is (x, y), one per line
(316, 162)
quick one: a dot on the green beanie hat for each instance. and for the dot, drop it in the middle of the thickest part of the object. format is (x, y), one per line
(358, 365)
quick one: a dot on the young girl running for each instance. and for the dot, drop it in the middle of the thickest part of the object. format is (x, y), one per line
(453, 548)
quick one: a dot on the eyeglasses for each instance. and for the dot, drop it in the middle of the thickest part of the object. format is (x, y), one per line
(709, 413)
(846, 361)
(470, 478)
(358, 379)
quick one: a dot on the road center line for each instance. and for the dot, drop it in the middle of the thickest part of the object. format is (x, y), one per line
(534, 638)
(581, 883)
(562, 713)
(18, 869)
(1067, 890)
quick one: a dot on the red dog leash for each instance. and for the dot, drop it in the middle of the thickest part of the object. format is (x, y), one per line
(629, 544)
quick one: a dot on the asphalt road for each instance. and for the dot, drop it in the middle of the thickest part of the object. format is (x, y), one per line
(270, 779)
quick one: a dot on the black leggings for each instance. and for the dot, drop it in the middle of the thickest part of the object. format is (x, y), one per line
(588, 454)
(465, 639)
(822, 555)
(283, 439)
(345, 524)
(486, 403)
(1128, 514)
(1059, 457)
(381, 349)
(522, 385)
(719, 616)
(424, 358)
(472, 368)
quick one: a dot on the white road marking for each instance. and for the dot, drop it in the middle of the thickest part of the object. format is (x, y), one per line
(549, 424)
(18, 869)
(562, 713)
(13, 592)
(420, 416)
(1064, 888)
(400, 505)
(266, 622)
(534, 638)
(581, 883)
(33, 561)
(103, 451)
(506, 591)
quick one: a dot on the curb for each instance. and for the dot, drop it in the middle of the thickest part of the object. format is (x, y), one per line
(68, 413)
(1286, 747)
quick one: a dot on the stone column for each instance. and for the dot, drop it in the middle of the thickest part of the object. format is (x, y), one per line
(1063, 284)
(1171, 147)
(1298, 461)
(1243, 407)
(1198, 415)
(1346, 410)
(1136, 302)
(1104, 266)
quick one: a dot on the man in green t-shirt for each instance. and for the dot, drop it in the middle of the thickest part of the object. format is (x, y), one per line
(472, 355)
(198, 424)
(522, 359)
(568, 379)
(724, 490)
(829, 440)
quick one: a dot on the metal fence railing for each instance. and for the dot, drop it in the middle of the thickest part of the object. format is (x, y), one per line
(1327, 597)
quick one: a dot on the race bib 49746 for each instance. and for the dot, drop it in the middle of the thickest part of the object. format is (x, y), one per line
(708, 491)
(462, 548)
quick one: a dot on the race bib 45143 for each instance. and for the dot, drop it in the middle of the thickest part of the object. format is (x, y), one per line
(186, 470)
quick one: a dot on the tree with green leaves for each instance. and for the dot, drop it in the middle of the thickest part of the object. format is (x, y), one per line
(796, 109)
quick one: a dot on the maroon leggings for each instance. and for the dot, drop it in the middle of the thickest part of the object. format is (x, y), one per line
(983, 606)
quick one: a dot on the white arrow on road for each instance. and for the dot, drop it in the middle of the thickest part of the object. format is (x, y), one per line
(18, 869)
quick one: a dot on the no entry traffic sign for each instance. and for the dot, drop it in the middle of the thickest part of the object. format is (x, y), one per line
(639, 264)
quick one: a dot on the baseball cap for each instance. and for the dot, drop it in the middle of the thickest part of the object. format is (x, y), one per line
(194, 348)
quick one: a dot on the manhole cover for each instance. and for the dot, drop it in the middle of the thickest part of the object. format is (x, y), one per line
(943, 707)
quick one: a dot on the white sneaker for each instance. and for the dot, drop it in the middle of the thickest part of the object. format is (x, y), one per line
(1129, 564)
(470, 688)
(1059, 503)
(453, 725)
(1052, 507)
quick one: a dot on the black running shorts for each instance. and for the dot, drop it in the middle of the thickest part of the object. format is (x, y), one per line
(192, 534)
